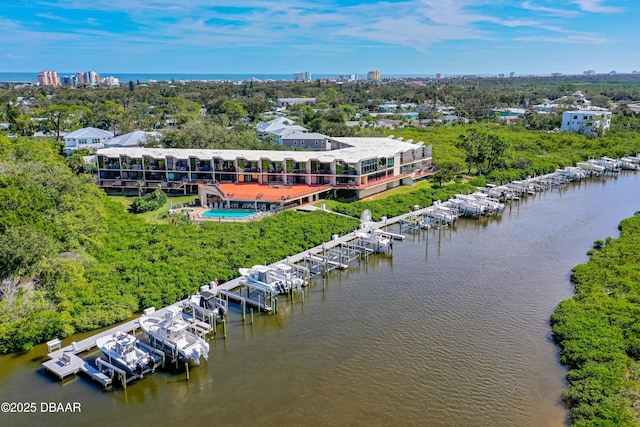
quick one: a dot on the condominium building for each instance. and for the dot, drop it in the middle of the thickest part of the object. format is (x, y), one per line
(348, 78)
(354, 167)
(48, 78)
(110, 81)
(373, 75)
(304, 76)
(87, 77)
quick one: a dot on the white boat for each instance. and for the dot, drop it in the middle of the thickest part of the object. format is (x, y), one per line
(375, 240)
(172, 335)
(291, 276)
(207, 301)
(267, 278)
(122, 350)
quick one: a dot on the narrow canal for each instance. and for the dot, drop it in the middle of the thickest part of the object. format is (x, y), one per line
(452, 330)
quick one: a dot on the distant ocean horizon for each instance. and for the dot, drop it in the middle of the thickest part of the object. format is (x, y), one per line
(26, 77)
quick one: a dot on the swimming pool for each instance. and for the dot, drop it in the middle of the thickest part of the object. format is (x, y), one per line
(227, 213)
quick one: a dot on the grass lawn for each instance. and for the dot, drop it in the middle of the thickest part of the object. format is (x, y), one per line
(158, 216)
(403, 189)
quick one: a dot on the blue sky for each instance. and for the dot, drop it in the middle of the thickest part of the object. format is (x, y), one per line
(324, 37)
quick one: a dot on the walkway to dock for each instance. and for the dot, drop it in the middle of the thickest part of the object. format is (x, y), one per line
(335, 253)
(65, 361)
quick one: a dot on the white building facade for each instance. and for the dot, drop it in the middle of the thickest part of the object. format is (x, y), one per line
(586, 121)
(86, 138)
(364, 165)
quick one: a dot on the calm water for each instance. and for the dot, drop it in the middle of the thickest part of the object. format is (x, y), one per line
(125, 78)
(450, 331)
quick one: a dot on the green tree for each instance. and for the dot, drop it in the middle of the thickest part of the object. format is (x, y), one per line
(61, 115)
(23, 125)
(496, 150)
(233, 109)
(474, 146)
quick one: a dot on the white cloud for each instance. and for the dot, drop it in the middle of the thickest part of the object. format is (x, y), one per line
(596, 6)
(12, 56)
(266, 23)
(549, 10)
(570, 39)
(52, 17)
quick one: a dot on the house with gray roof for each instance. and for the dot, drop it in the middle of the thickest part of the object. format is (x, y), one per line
(86, 138)
(277, 127)
(286, 102)
(134, 139)
(304, 140)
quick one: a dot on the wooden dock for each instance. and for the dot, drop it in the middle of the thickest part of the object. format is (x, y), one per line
(64, 361)
(335, 253)
(246, 301)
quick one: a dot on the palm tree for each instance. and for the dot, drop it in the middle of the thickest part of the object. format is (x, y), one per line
(140, 185)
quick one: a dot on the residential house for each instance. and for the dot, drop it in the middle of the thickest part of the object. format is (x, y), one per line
(586, 121)
(86, 138)
(304, 140)
(287, 102)
(134, 139)
(508, 114)
(389, 123)
(274, 129)
(451, 118)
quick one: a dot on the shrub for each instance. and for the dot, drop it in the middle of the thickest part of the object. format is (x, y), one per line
(149, 202)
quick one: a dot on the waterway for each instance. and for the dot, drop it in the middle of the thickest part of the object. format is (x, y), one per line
(452, 330)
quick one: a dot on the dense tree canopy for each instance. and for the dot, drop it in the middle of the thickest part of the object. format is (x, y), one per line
(73, 260)
(599, 333)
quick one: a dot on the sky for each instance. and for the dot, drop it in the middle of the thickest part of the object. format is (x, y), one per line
(416, 37)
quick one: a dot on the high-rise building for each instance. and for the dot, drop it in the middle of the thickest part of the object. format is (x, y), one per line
(68, 80)
(439, 76)
(87, 77)
(348, 77)
(589, 73)
(304, 76)
(110, 81)
(48, 78)
(373, 75)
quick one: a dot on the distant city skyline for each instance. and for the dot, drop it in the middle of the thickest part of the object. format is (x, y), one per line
(335, 37)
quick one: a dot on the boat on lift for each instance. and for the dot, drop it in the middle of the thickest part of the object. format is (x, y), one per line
(267, 278)
(123, 351)
(172, 335)
(208, 302)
